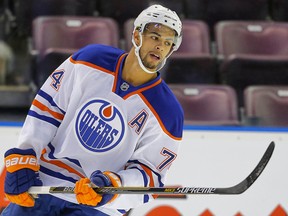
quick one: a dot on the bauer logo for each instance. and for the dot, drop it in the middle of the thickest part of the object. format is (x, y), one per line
(99, 126)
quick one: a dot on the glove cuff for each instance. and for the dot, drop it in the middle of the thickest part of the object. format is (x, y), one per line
(23, 199)
(115, 181)
(17, 159)
(114, 178)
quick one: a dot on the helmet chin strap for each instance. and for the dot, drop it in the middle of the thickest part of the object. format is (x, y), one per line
(137, 53)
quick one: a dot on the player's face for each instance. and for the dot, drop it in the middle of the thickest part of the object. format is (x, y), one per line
(157, 44)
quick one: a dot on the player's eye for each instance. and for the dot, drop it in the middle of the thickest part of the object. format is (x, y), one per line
(167, 43)
(154, 37)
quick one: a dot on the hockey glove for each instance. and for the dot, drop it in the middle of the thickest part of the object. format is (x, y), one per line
(22, 173)
(85, 193)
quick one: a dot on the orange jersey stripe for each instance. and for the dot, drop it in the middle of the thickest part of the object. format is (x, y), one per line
(42, 107)
(61, 164)
(152, 184)
(143, 89)
(149, 173)
(117, 71)
(91, 65)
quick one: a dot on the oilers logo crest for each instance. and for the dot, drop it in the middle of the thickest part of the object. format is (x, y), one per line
(99, 126)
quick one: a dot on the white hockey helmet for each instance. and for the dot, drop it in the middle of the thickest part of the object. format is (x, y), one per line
(160, 15)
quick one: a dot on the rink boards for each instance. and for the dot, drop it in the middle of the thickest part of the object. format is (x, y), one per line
(212, 157)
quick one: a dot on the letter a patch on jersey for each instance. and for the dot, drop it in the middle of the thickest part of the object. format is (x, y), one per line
(139, 121)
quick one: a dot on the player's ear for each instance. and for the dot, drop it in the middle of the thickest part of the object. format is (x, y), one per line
(136, 36)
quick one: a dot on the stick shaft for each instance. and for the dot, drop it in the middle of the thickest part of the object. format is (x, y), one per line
(127, 190)
(237, 189)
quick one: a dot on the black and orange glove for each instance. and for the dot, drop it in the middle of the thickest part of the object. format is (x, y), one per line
(85, 193)
(22, 173)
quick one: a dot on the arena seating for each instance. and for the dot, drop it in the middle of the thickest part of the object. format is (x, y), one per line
(252, 53)
(55, 38)
(26, 11)
(266, 105)
(212, 11)
(6, 62)
(193, 62)
(207, 104)
(176, 5)
(121, 11)
(225, 42)
(279, 10)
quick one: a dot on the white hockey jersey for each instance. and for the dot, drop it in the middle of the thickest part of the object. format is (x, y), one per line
(86, 118)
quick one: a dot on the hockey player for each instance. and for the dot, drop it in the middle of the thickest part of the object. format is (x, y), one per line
(104, 117)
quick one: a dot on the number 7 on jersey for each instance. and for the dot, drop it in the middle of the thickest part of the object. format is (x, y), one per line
(169, 158)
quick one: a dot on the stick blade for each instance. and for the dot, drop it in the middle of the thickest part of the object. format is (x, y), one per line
(247, 182)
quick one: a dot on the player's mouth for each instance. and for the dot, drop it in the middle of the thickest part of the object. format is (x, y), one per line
(155, 56)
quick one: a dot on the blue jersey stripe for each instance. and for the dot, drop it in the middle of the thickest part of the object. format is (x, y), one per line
(51, 156)
(122, 211)
(143, 174)
(44, 118)
(50, 100)
(146, 197)
(157, 174)
(56, 174)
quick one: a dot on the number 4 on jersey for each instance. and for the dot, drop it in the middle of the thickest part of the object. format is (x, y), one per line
(56, 77)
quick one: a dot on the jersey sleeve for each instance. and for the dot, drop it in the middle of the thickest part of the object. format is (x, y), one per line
(48, 109)
(156, 150)
(147, 167)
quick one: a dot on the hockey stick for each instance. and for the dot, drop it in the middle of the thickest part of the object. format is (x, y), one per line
(237, 189)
